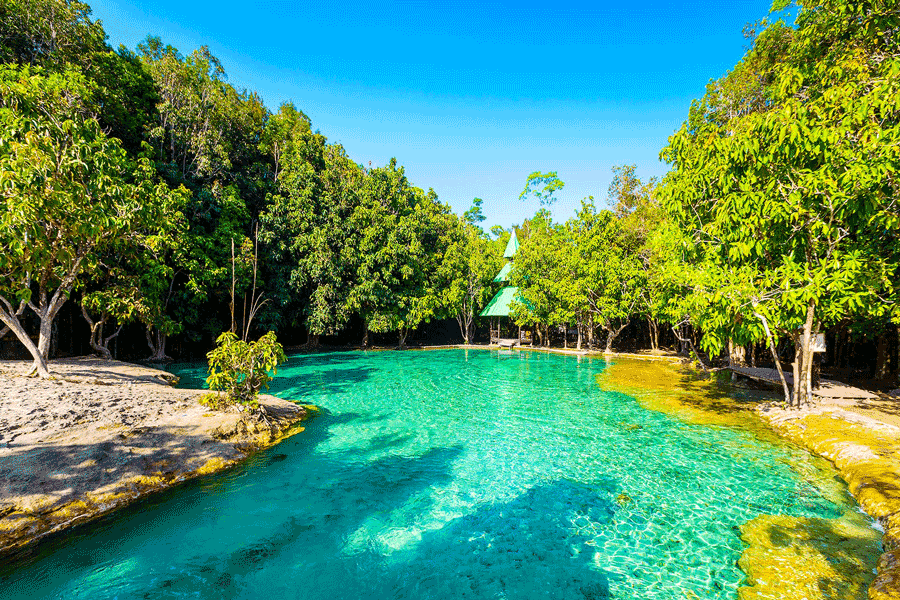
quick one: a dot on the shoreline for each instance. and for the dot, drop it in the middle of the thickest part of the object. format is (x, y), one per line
(101, 435)
(865, 453)
(790, 557)
(114, 456)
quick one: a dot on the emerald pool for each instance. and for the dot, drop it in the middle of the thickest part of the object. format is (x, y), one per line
(447, 474)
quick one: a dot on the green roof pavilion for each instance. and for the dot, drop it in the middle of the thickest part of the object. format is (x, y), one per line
(503, 275)
(499, 304)
(511, 246)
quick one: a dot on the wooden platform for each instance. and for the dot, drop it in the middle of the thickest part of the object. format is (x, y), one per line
(505, 342)
(827, 388)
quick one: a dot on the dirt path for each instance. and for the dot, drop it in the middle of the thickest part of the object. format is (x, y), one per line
(102, 434)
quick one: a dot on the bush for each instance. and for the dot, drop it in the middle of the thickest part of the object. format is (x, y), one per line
(240, 369)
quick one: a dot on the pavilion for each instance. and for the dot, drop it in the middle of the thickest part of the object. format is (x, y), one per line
(499, 306)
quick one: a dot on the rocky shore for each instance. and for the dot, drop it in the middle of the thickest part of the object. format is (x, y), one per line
(102, 434)
(866, 452)
(790, 557)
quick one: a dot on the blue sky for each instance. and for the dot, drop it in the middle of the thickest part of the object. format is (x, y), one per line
(469, 96)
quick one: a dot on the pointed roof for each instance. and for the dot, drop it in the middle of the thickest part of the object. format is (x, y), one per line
(499, 304)
(503, 275)
(511, 246)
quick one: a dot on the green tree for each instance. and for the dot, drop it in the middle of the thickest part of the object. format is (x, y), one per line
(69, 191)
(51, 33)
(241, 369)
(304, 231)
(470, 263)
(547, 194)
(473, 215)
(789, 194)
(396, 245)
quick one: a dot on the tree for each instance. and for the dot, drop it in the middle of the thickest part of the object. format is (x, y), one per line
(547, 194)
(469, 264)
(304, 231)
(790, 198)
(473, 215)
(116, 305)
(48, 33)
(205, 126)
(398, 232)
(69, 191)
(538, 276)
(613, 277)
(241, 369)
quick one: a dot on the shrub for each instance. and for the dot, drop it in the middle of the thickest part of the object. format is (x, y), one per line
(241, 369)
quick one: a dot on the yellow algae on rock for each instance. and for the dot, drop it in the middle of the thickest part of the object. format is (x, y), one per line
(790, 557)
(689, 395)
(808, 558)
(867, 458)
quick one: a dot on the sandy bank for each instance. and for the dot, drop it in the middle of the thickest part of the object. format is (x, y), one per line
(102, 434)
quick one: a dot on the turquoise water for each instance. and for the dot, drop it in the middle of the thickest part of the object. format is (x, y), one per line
(445, 474)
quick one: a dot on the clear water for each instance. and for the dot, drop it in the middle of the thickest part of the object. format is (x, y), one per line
(445, 474)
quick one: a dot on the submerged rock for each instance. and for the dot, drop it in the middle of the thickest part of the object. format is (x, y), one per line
(791, 557)
(797, 558)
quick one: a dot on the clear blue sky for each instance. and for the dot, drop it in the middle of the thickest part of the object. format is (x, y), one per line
(469, 96)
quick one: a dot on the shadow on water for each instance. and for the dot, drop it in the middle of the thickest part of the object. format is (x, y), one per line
(528, 547)
(524, 548)
(323, 382)
(347, 491)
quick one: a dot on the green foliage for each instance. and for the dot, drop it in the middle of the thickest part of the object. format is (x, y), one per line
(586, 271)
(50, 33)
(786, 187)
(469, 265)
(70, 192)
(241, 369)
(474, 216)
(551, 184)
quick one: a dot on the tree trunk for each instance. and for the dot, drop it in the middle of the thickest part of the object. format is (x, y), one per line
(463, 327)
(683, 340)
(736, 355)
(654, 334)
(578, 326)
(11, 319)
(156, 340)
(365, 340)
(96, 339)
(806, 355)
(403, 333)
(881, 358)
(774, 350)
(612, 334)
(312, 340)
(591, 333)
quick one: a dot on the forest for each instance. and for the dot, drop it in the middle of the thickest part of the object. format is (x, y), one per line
(151, 205)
